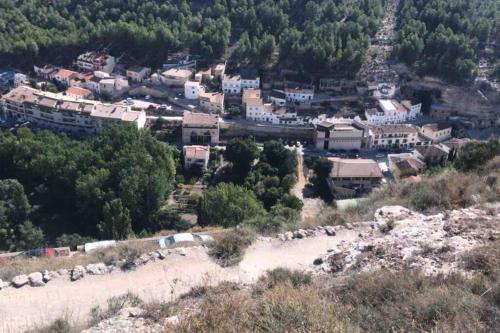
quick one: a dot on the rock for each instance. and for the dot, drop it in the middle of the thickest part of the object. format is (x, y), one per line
(181, 251)
(20, 281)
(281, 237)
(3, 285)
(301, 233)
(288, 235)
(318, 261)
(63, 272)
(97, 269)
(77, 273)
(46, 276)
(172, 320)
(36, 279)
(154, 255)
(336, 262)
(330, 231)
(161, 256)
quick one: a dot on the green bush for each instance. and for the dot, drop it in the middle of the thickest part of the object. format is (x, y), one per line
(229, 248)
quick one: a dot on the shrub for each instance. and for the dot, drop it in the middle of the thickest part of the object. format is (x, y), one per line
(281, 275)
(60, 325)
(228, 250)
(114, 305)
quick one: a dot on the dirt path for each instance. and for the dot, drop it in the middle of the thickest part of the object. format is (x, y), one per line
(161, 280)
(312, 206)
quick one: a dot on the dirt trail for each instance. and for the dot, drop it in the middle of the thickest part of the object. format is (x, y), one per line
(312, 206)
(161, 280)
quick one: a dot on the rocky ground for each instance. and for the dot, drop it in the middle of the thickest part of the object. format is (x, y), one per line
(395, 238)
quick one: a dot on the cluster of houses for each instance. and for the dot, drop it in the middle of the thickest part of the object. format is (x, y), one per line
(385, 125)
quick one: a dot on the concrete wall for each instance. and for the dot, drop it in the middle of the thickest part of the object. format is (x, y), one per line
(231, 130)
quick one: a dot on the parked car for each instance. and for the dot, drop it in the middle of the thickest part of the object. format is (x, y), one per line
(183, 237)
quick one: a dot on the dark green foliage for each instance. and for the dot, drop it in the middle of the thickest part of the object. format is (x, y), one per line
(16, 231)
(241, 153)
(279, 218)
(474, 155)
(116, 221)
(324, 35)
(444, 34)
(322, 168)
(227, 205)
(72, 240)
(70, 181)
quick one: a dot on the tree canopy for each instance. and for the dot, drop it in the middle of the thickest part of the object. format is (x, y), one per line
(445, 35)
(324, 35)
(77, 185)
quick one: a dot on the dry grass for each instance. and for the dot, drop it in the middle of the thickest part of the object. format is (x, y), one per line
(120, 255)
(433, 194)
(60, 325)
(380, 301)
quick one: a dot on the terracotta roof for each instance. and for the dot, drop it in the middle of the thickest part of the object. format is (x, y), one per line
(254, 102)
(178, 73)
(394, 128)
(65, 73)
(354, 168)
(251, 93)
(213, 97)
(192, 118)
(77, 91)
(196, 152)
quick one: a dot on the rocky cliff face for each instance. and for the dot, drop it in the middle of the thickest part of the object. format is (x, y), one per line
(402, 238)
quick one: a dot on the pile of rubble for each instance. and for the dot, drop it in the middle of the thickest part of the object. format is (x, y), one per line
(40, 279)
(312, 232)
(399, 237)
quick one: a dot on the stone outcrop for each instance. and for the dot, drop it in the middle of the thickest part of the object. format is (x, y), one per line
(20, 281)
(77, 273)
(36, 279)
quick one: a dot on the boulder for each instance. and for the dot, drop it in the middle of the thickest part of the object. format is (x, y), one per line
(46, 276)
(161, 255)
(20, 280)
(36, 279)
(281, 237)
(3, 285)
(330, 231)
(154, 255)
(173, 320)
(97, 269)
(77, 273)
(301, 233)
(63, 272)
(288, 235)
(180, 251)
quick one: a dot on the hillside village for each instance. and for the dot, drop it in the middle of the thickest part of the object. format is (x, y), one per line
(329, 169)
(214, 104)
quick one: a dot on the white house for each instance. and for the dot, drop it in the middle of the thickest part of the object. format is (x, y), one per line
(278, 97)
(196, 155)
(93, 61)
(250, 79)
(389, 111)
(231, 84)
(175, 77)
(193, 89)
(257, 110)
(299, 95)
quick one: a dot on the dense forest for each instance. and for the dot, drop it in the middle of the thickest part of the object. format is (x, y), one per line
(109, 186)
(326, 35)
(445, 35)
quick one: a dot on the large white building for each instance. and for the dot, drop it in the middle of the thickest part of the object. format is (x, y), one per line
(299, 95)
(390, 136)
(231, 84)
(193, 89)
(257, 110)
(389, 111)
(93, 61)
(338, 134)
(250, 79)
(65, 113)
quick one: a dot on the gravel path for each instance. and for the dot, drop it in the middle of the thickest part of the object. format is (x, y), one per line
(161, 280)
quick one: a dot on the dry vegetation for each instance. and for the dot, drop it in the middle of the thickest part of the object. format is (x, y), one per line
(229, 247)
(448, 189)
(121, 255)
(382, 301)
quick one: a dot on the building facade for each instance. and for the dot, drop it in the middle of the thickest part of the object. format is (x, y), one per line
(436, 132)
(196, 156)
(401, 136)
(175, 77)
(212, 102)
(93, 61)
(200, 129)
(299, 95)
(390, 111)
(344, 135)
(138, 73)
(193, 89)
(231, 84)
(65, 113)
(353, 177)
